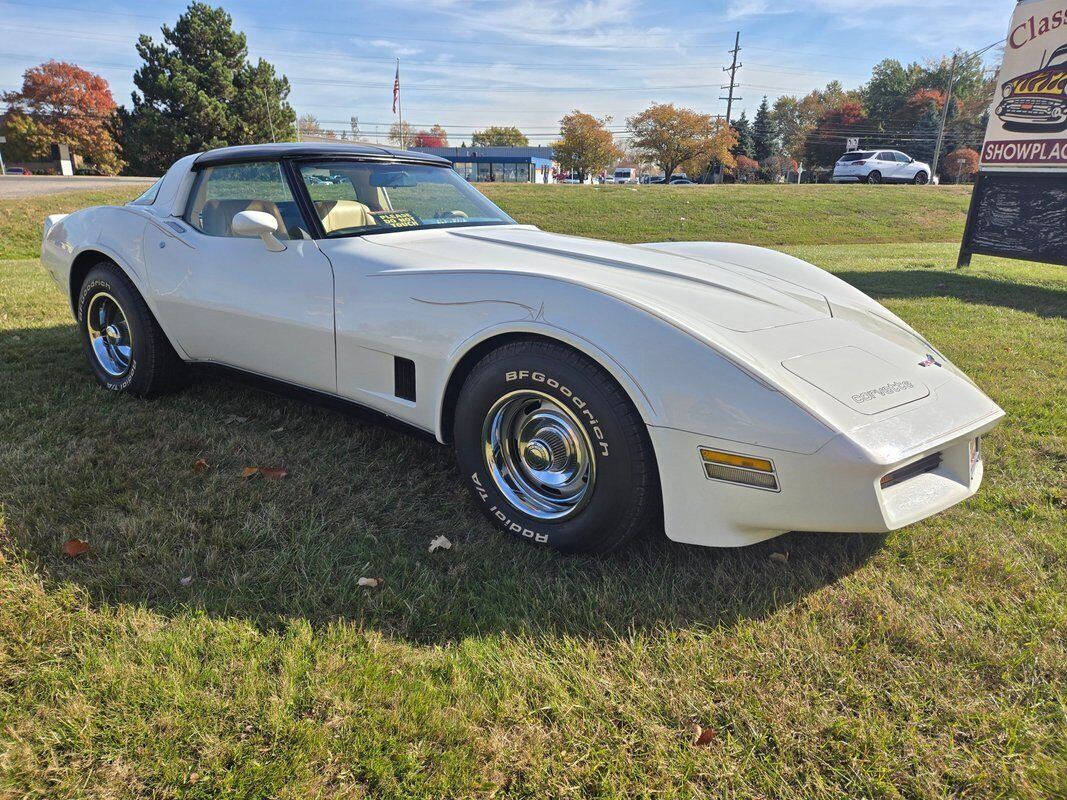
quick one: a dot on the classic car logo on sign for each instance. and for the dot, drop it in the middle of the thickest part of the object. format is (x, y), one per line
(1037, 101)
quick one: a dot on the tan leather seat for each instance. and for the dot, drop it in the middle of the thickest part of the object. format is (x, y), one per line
(216, 218)
(339, 214)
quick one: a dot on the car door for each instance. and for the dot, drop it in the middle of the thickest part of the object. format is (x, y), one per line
(231, 300)
(908, 168)
(887, 165)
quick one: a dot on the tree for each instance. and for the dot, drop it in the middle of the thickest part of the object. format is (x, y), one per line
(585, 145)
(435, 137)
(197, 90)
(401, 134)
(888, 88)
(675, 137)
(826, 142)
(778, 167)
(499, 136)
(747, 168)
(441, 134)
(308, 125)
(960, 164)
(764, 133)
(61, 103)
(743, 130)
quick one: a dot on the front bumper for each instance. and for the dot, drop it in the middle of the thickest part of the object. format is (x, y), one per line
(837, 489)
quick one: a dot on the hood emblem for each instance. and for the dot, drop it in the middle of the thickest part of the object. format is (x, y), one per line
(929, 361)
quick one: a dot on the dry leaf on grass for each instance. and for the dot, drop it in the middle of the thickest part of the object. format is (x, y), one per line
(273, 473)
(200, 467)
(248, 472)
(73, 548)
(370, 583)
(780, 558)
(188, 579)
(701, 737)
(440, 543)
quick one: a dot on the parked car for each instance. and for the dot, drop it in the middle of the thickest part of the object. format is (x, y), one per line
(16, 171)
(625, 175)
(590, 390)
(1037, 101)
(681, 182)
(880, 166)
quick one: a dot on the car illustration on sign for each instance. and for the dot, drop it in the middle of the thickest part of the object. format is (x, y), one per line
(1037, 101)
(591, 390)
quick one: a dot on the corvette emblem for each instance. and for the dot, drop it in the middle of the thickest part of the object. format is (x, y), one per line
(929, 361)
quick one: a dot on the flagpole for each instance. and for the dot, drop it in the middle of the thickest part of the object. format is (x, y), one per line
(399, 105)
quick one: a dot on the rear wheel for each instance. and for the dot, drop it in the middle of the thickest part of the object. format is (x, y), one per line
(553, 451)
(874, 177)
(921, 178)
(124, 345)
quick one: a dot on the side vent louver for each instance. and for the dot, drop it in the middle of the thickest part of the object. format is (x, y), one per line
(404, 378)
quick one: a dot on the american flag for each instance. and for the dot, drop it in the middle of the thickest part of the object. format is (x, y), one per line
(396, 86)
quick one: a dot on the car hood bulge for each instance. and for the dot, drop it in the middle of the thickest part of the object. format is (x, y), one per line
(724, 297)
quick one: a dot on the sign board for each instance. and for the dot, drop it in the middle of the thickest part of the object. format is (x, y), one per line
(1028, 122)
(853, 144)
(1018, 207)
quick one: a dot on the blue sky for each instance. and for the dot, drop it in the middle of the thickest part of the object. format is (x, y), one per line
(479, 62)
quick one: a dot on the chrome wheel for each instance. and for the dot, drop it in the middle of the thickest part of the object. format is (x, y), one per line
(539, 455)
(109, 334)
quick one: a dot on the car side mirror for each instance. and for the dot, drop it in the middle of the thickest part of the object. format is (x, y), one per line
(258, 223)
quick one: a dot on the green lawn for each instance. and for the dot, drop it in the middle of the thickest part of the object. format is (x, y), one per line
(215, 643)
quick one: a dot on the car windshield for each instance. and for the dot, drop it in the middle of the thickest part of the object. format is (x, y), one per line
(1058, 57)
(356, 197)
(856, 156)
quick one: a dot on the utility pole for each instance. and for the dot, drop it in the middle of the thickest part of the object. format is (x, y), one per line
(944, 116)
(732, 69)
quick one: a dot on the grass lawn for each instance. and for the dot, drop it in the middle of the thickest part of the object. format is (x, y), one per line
(215, 642)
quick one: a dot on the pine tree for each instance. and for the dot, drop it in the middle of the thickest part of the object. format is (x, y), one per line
(764, 133)
(745, 143)
(197, 90)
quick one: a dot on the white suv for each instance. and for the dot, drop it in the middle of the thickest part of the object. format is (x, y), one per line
(878, 166)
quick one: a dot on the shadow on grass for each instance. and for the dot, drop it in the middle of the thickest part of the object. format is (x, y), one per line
(360, 500)
(1041, 301)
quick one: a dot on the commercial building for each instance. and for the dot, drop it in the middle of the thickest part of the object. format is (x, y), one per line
(498, 164)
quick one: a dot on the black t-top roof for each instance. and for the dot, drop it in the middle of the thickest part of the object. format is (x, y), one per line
(269, 152)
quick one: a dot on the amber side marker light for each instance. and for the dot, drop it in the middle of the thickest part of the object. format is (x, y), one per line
(736, 468)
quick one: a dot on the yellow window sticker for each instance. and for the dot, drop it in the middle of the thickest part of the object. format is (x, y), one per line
(398, 219)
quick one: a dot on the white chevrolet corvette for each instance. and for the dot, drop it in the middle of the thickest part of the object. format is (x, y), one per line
(589, 388)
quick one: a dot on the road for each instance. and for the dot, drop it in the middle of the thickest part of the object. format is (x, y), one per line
(16, 186)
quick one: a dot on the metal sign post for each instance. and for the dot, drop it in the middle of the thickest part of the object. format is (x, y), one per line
(3, 169)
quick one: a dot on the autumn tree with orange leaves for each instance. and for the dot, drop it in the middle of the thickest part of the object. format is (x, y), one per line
(61, 103)
(674, 138)
(585, 146)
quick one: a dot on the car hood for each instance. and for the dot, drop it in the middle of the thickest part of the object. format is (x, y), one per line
(722, 295)
(836, 352)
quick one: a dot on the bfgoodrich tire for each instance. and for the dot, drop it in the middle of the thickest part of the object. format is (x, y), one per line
(126, 349)
(553, 450)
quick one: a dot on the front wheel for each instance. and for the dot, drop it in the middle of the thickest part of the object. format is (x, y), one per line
(874, 177)
(553, 450)
(124, 345)
(921, 178)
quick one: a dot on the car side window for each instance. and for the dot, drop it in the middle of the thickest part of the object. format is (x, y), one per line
(885, 157)
(224, 191)
(903, 159)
